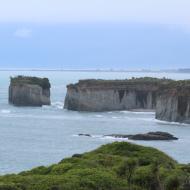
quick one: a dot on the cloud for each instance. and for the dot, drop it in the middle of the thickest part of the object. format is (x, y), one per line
(23, 33)
(167, 12)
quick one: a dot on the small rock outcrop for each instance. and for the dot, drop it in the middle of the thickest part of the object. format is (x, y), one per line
(173, 102)
(147, 136)
(29, 91)
(86, 135)
(110, 95)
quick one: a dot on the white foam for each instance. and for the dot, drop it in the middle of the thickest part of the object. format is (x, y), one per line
(96, 136)
(5, 111)
(145, 113)
(75, 135)
(57, 105)
(139, 112)
(115, 117)
(46, 107)
(100, 116)
(114, 138)
(171, 123)
(125, 112)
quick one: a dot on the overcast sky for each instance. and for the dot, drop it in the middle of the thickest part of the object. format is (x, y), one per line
(153, 11)
(156, 19)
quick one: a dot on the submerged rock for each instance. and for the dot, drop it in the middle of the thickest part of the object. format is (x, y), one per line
(86, 135)
(29, 91)
(110, 95)
(173, 102)
(147, 136)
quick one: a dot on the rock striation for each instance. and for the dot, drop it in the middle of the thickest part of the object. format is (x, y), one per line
(29, 91)
(110, 95)
(173, 102)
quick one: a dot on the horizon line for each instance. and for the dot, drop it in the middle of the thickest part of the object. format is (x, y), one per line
(96, 70)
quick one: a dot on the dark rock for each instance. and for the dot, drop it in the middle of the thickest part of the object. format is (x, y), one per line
(153, 136)
(86, 135)
(147, 137)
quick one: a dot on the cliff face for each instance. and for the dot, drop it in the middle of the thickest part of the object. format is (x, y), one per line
(173, 104)
(99, 95)
(25, 91)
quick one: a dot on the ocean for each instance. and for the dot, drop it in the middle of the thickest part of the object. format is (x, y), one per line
(31, 137)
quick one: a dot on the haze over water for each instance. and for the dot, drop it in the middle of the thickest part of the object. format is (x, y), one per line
(32, 137)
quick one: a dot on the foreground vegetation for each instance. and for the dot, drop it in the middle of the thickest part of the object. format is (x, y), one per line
(116, 166)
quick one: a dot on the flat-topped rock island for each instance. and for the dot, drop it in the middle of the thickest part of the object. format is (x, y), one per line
(110, 95)
(29, 91)
(170, 99)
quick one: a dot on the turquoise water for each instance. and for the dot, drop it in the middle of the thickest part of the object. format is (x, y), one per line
(32, 137)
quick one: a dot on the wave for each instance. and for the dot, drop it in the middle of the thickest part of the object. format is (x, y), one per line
(56, 105)
(139, 112)
(114, 138)
(5, 111)
(102, 137)
(100, 116)
(171, 123)
(114, 117)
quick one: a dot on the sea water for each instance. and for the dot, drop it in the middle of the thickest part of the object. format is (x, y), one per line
(31, 137)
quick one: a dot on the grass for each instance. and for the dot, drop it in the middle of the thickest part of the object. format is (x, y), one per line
(116, 166)
(43, 82)
(132, 81)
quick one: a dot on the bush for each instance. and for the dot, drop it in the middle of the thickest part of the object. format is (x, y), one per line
(116, 166)
(172, 182)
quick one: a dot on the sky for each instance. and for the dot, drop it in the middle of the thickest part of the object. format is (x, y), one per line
(95, 34)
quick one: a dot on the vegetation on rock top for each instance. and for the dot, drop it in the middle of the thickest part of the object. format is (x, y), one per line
(43, 82)
(116, 166)
(132, 81)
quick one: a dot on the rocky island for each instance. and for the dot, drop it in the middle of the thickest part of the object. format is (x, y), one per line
(110, 95)
(150, 136)
(29, 91)
(173, 102)
(170, 99)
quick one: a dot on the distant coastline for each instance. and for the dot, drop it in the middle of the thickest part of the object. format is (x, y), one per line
(100, 70)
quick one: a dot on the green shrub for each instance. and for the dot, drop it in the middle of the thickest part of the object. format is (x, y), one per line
(116, 166)
(172, 182)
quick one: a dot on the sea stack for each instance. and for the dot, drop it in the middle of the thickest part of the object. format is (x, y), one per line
(111, 95)
(173, 102)
(29, 91)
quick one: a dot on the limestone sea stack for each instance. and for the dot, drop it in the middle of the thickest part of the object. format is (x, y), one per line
(110, 95)
(173, 102)
(29, 91)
